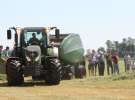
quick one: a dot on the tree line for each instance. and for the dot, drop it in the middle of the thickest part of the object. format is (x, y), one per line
(126, 46)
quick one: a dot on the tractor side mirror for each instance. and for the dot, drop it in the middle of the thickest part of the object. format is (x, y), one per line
(8, 34)
(57, 33)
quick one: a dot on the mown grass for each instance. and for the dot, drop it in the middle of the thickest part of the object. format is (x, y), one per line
(2, 77)
(122, 76)
(2, 66)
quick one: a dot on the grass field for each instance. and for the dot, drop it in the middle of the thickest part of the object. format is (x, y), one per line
(98, 88)
(2, 66)
(116, 87)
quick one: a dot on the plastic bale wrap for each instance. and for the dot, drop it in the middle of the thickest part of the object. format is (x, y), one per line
(71, 49)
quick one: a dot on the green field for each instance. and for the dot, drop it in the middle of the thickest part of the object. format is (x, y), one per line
(2, 66)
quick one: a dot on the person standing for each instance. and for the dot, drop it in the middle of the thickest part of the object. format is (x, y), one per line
(101, 64)
(6, 53)
(109, 62)
(94, 61)
(127, 62)
(115, 60)
(90, 66)
(1, 47)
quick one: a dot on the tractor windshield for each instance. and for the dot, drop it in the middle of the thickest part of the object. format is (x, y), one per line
(34, 37)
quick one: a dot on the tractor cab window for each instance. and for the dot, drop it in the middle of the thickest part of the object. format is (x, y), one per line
(34, 38)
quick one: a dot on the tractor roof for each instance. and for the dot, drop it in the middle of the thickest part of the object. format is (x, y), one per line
(34, 28)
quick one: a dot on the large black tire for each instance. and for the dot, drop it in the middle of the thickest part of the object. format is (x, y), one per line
(67, 73)
(14, 75)
(53, 76)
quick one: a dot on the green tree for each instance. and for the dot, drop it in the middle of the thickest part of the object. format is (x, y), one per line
(102, 49)
(109, 44)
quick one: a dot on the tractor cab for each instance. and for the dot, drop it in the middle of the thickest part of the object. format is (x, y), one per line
(34, 40)
(34, 36)
(31, 35)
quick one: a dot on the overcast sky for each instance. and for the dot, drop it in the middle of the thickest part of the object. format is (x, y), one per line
(95, 20)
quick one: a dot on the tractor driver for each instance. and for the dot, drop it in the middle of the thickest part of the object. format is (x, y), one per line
(34, 40)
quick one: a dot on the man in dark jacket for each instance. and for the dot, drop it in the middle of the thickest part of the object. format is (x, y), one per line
(101, 64)
(34, 40)
(109, 62)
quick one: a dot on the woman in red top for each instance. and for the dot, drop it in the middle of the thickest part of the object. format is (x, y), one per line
(115, 63)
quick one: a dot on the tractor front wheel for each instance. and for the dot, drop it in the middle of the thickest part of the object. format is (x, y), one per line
(14, 74)
(53, 76)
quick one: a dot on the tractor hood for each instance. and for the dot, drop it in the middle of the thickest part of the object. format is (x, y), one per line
(33, 53)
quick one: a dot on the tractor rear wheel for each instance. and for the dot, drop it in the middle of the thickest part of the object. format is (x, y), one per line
(14, 75)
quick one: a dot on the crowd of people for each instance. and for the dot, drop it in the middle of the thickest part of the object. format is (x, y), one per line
(99, 60)
(4, 53)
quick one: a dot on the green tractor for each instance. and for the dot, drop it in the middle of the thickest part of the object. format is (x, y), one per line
(37, 54)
